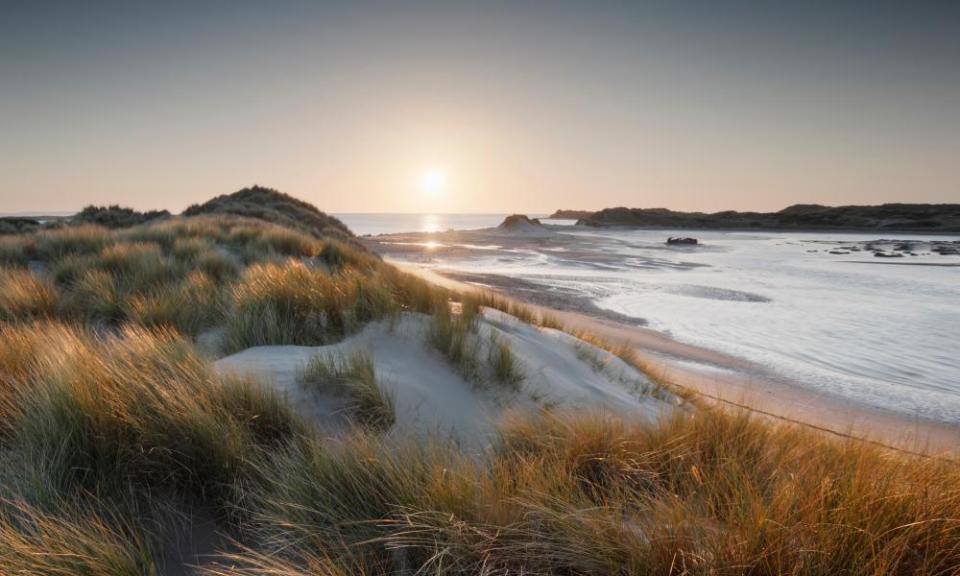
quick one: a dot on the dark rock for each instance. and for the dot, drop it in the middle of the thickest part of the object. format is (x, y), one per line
(518, 221)
(946, 250)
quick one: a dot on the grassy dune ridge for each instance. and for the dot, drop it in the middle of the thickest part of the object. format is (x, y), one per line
(112, 422)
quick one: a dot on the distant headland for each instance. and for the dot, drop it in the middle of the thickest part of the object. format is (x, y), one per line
(562, 214)
(930, 218)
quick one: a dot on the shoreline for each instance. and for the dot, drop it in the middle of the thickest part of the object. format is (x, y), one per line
(736, 382)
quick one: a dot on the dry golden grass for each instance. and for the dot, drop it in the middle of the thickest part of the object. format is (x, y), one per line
(134, 412)
(288, 303)
(193, 304)
(23, 296)
(28, 351)
(177, 272)
(513, 308)
(51, 245)
(76, 542)
(296, 302)
(275, 285)
(712, 493)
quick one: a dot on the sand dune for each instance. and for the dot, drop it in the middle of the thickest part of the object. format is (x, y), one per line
(432, 398)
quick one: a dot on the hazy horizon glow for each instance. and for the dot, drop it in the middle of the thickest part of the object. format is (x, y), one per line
(454, 107)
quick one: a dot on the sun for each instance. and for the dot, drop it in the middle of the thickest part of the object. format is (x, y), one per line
(432, 182)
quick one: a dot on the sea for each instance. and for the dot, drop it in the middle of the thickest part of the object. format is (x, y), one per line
(374, 224)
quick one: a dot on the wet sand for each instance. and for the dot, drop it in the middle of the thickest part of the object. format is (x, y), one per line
(738, 383)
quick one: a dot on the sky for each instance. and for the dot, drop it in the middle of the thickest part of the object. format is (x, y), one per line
(480, 107)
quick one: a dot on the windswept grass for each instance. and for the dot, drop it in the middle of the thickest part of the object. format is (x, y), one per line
(77, 542)
(138, 411)
(23, 296)
(289, 303)
(325, 504)
(295, 303)
(53, 245)
(28, 353)
(713, 493)
(338, 255)
(250, 240)
(412, 293)
(195, 303)
(95, 297)
(355, 378)
(275, 285)
(251, 562)
(518, 310)
(138, 266)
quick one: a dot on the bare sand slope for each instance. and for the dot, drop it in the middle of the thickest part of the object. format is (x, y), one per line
(432, 397)
(739, 383)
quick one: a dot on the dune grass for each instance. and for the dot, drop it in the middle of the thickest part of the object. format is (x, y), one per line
(293, 302)
(195, 303)
(265, 283)
(75, 542)
(528, 314)
(23, 296)
(503, 364)
(53, 245)
(122, 425)
(452, 332)
(137, 411)
(714, 493)
(29, 352)
(354, 378)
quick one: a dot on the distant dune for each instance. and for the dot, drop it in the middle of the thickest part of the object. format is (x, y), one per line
(276, 207)
(888, 217)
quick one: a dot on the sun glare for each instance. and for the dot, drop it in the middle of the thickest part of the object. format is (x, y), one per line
(433, 182)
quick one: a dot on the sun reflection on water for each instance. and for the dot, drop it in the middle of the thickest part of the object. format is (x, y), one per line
(429, 223)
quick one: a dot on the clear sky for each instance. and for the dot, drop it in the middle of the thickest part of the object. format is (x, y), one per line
(480, 107)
